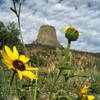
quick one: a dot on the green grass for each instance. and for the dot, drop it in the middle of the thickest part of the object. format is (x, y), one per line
(25, 88)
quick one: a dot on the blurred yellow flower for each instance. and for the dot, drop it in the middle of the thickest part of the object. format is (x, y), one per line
(17, 62)
(82, 94)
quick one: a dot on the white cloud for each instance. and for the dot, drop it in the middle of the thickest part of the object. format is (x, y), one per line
(83, 14)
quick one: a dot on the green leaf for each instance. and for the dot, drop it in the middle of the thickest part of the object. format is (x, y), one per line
(66, 67)
(79, 75)
(77, 99)
(68, 75)
(54, 97)
(66, 98)
(62, 52)
(13, 10)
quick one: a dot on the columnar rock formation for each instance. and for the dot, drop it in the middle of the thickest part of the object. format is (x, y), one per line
(47, 36)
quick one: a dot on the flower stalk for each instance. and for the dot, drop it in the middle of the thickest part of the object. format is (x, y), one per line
(12, 78)
(72, 35)
(11, 84)
(67, 51)
(35, 92)
(19, 25)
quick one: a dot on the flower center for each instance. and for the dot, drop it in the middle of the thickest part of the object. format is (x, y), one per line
(19, 65)
(74, 30)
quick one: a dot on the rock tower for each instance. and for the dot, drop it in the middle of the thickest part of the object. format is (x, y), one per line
(47, 36)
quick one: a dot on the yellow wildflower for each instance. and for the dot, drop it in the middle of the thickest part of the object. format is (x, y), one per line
(17, 62)
(83, 93)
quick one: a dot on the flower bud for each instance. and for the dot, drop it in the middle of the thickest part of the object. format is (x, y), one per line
(71, 33)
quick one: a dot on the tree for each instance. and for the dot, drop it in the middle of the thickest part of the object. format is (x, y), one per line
(9, 35)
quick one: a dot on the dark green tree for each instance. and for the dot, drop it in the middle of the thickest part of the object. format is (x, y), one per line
(9, 35)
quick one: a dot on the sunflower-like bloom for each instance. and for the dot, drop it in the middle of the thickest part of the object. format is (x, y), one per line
(83, 93)
(71, 33)
(17, 62)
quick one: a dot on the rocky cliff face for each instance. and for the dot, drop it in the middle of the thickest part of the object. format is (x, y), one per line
(47, 36)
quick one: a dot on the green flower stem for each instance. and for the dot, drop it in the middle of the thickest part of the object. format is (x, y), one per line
(12, 78)
(11, 93)
(11, 84)
(35, 92)
(18, 17)
(67, 51)
(21, 34)
(16, 82)
(70, 59)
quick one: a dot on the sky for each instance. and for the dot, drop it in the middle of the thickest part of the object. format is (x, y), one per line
(84, 15)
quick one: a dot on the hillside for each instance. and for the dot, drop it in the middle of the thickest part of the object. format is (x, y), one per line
(49, 55)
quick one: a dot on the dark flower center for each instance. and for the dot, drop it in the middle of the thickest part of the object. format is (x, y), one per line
(19, 65)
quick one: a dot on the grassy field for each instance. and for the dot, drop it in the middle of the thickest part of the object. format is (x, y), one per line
(86, 66)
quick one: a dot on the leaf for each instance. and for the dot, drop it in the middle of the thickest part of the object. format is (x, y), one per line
(62, 52)
(66, 98)
(13, 10)
(79, 75)
(54, 97)
(68, 75)
(77, 99)
(66, 67)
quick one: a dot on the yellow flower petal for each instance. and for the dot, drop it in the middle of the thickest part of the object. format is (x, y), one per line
(20, 74)
(15, 52)
(63, 29)
(9, 52)
(5, 56)
(30, 68)
(6, 61)
(70, 25)
(29, 75)
(80, 32)
(7, 64)
(86, 87)
(91, 97)
(23, 58)
(67, 27)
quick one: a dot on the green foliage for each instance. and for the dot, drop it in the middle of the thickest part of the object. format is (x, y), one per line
(66, 67)
(70, 75)
(54, 97)
(62, 52)
(37, 61)
(65, 98)
(9, 35)
(95, 84)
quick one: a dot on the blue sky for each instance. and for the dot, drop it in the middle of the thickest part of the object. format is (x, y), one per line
(83, 14)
